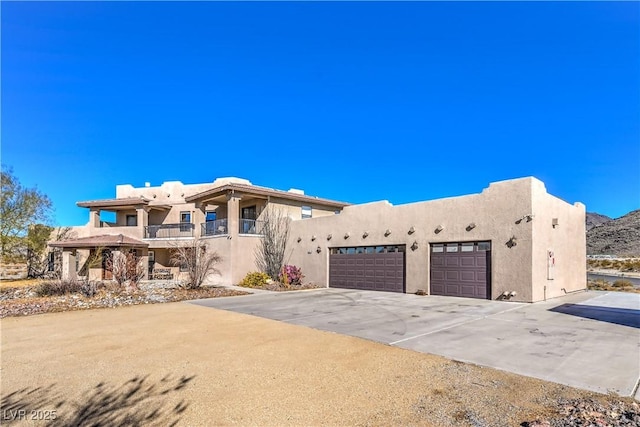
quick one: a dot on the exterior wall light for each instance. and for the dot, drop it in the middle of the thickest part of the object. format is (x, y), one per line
(299, 239)
(414, 246)
(318, 249)
(554, 222)
(438, 229)
(364, 235)
(346, 235)
(471, 226)
(387, 232)
(513, 241)
(412, 230)
(313, 238)
(530, 217)
(329, 236)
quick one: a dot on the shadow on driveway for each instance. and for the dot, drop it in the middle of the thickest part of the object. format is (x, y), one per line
(138, 401)
(619, 316)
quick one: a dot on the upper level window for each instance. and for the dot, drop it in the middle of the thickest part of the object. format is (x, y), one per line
(132, 220)
(210, 216)
(185, 216)
(306, 212)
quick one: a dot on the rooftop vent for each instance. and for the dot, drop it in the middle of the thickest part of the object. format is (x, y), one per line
(296, 191)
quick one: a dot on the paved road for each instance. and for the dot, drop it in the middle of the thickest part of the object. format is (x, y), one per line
(588, 340)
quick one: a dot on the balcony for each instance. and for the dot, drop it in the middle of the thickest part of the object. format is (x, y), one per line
(214, 228)
(168, 231)
(251, 226)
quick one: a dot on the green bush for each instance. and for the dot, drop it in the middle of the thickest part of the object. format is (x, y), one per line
(254, 279)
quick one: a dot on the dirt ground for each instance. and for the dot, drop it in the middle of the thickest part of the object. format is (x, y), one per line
(18, 283)
(191, 365)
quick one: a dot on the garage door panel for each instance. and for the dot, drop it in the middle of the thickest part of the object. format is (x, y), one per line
(468, 261)
(371, 271)
(452, 261)
(437, 275)
(461, 270)
(468, 276)
(437, 261)
(452, 275)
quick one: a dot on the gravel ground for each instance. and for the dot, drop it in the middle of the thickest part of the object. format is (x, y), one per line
(165, 363)
(23, 300)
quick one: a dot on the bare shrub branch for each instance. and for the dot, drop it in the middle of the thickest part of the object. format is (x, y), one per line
(275, 232)
(127, 267)
(196, 260)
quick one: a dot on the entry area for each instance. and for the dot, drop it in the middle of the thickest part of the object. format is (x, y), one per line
(461, 269)
(374, 268)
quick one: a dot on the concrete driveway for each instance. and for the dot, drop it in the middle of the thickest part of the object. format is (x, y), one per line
(589, 340)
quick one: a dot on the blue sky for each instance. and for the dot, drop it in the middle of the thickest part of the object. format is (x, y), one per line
(353, 101)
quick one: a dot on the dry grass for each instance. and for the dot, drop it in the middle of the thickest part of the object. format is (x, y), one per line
(4, 284)
(627, 265)
(621, 285)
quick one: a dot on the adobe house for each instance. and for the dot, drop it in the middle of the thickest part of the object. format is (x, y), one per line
(227, 215)
(513, 241)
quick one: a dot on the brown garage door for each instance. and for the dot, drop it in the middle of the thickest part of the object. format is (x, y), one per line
(461, 269)
(375, 268)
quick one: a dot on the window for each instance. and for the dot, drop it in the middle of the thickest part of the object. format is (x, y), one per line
(249, 212)
(466, 247)
(132, 220)
(52, 261)
(452, 247)
(210, 216)
(306, 212)
(484, 246)
(185, 221)
(437, 248)
(152, 256)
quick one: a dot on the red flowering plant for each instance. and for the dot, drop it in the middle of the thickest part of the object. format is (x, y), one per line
(290, 275)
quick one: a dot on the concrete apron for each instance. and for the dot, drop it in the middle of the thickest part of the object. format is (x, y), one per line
(589, 340)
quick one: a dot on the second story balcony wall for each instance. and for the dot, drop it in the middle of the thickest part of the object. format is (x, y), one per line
(251, 226)
(127, 230)
(214, 228)
(168, 231)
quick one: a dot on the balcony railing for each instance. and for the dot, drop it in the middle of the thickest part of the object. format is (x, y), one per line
(214, 228)
(251, 226)
(168, 231)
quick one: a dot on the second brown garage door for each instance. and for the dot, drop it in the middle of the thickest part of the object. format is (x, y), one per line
(461, 269)
(375, 268)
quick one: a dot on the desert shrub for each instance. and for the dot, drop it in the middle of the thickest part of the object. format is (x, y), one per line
(622, 283)
(255, 279)
(65, 287)
(290, 275)
(90, 288)
(197, 261)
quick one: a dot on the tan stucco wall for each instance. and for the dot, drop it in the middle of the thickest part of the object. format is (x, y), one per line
(495, 212)
(222, 245)
(567, 241)
(293, 209)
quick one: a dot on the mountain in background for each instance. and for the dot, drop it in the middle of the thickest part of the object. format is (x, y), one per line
(595, 219)
(608, 236)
